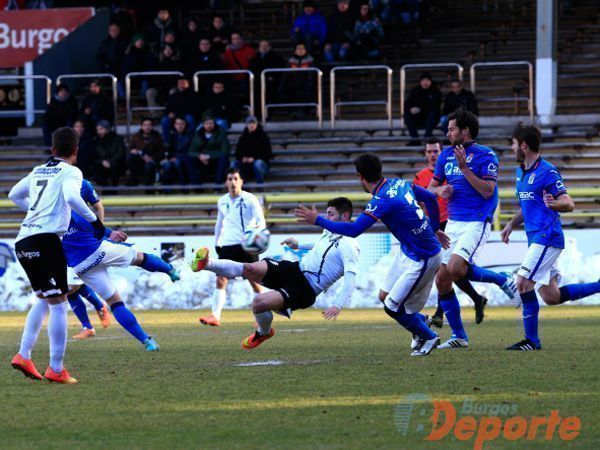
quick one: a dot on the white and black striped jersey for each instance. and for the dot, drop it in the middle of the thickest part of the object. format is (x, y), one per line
(235, 216)
(48, 194)
(331, 257)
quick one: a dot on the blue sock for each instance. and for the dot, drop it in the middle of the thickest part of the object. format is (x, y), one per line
(577, 291)
(476, 273)
(91, 297)
(412, 322)
(79, 310)
(531, 311)
(451, 308)
(128, 321)
(153, 263)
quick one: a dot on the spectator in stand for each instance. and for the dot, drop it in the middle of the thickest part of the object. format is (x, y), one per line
(170, 38)
(457, 98)
(96, 106)
(340, 32)
(298, 87)
(61, 112)
(86, 153)
(422, 107)
(266, 58)
(139, 58)
(205, 59)
(175, 167)
(219, 33)
(109, 164)
(184, 102)
(190, 37)
(159, 27)
(310, 28)
(169, 59)
(221, 105)
(368, 33)
(110, 55)
(146, 151)
(238, 55)
(209, 152)
(253, 151)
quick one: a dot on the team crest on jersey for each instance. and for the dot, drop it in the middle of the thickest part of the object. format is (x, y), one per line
(531, 178)
(492, 169)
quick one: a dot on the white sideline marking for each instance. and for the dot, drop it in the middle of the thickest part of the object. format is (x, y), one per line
(269, 362)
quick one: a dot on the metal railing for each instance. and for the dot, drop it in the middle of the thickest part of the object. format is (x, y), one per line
(128, 78)
(263, 93)
(406, 67)
(200, 73)
(529, 98)
(28, 79)
(387, 102)
(110, 76)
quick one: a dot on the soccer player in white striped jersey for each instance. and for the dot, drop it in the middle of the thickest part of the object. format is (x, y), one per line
(48, 194)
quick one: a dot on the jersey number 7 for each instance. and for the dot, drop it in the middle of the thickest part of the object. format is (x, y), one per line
(411, 200)
(43, 184)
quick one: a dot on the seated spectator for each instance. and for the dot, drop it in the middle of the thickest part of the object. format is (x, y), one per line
(204, 59)
(368, 33)
(209, 152)
(175, 167)
(139, 58)
(110, 54)
(190, 37)
(299, 87)
(170, 39)
(340, 29)
(457, 98)
(157, 30)
(146, 151)
(422, 107)
(109, 164)
(238, 56)
(169, 59)
(61, 112)
(221, 105)
(310, 28)
(86, 153)
(96, 106)
(266, 58)
(219, 33)
(253, 151)
(184, 102)
(394, 11)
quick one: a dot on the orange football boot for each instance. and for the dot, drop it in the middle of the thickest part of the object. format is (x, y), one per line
(26, 366)
(85, 333)
(104, 316)
(63, 377)
(210, 320)
(255, 339)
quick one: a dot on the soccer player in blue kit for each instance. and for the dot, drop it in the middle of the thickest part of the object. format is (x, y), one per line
(542, 195)
(471, 171)
(409, 280)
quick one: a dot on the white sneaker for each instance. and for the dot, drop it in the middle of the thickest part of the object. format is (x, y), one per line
(454, 342)
(424, 347)
(414, 342)
(510, 289)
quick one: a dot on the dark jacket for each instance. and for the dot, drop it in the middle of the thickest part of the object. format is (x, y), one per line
(426, 99)
(151, 144)
(256, 145)
(111, 148)
(216, 146)
(184, 102)
(465, 100)
(340, 26)
(174, 63)
(204, 61)
(179, 144)
(221, 105)
(156, 32)
(138, 60)
(102, 108)
(61, 113)
(110, 55)
(224, 33)
(189, 40)
(269, 60)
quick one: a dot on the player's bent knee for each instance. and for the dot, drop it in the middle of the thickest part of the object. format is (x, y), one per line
(457, 268)
(524, 285)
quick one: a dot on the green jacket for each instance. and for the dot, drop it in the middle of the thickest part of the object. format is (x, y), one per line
(111, 148)
(215, 147)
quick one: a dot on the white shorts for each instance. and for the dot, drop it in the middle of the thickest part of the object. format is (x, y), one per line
(93, 270)
(540, 264)
(466, 239)
(408, 282)
(72, 278)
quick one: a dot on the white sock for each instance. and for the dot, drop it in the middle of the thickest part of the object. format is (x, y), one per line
(225, 267)
(219, 299)
(57, 333)
(33, 325)
(264, 321)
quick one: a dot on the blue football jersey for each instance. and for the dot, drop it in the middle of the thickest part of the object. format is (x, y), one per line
(542, 224)
(395, 205)
(466, 204)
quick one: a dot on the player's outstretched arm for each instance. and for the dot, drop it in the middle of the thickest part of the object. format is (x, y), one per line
(510, 225)
(343, 298)
(19, 194)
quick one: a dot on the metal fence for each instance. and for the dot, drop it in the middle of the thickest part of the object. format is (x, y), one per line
(200, 73)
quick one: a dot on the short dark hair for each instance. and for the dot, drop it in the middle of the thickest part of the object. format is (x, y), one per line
(434, 140)
(95, 81)
(341, 204)
(369, 166)
(456, 80)
(64, 142)
(144, 118)
(233, 170)
(62, 87)
(466, 119)
(530, 134)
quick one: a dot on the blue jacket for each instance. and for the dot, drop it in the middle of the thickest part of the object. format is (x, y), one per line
(314, 24)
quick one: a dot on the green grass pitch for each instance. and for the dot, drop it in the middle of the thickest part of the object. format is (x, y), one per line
(337, 386)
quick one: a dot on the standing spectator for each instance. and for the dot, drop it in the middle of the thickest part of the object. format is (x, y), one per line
(310, 28)
(96, 106)
(184, 102)
(368, 33)
(190, 37)
(175, 167)
(110, 54)
(86, 152)
(219, 33)
(340, 29)
(209, 152)
(157, 30)
(253, 151)
(204, 59)
(457, 98)
(298, 87)
(139, 58)
(221, 105)
(146, 151)
(238, 55)
(110, 155)
(60, 112)
(266, 58)
(422, 108)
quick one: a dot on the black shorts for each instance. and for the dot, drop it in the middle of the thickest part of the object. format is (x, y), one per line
(236, 253)
(43, 259)
(443, 225)
(287, 278)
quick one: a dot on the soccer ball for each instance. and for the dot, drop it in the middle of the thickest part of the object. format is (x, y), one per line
(256, 240)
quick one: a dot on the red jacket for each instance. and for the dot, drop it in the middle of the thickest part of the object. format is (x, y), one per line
(238, 59)
(423, 178)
